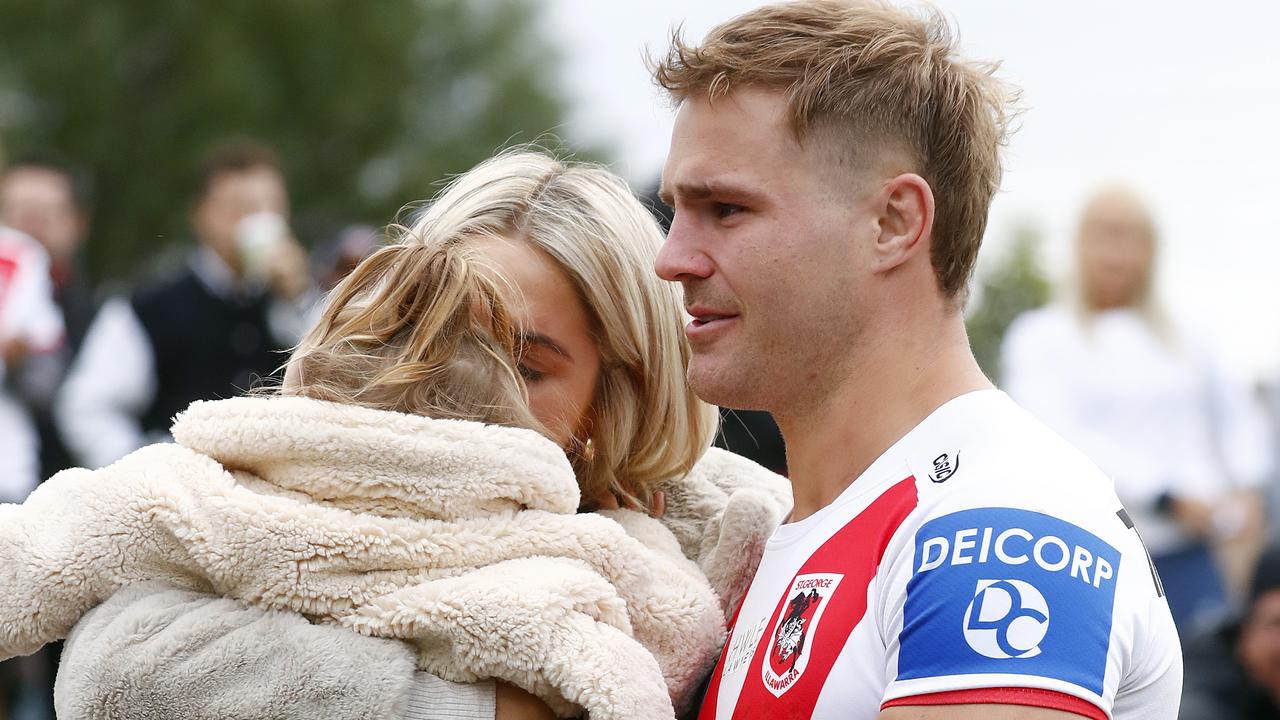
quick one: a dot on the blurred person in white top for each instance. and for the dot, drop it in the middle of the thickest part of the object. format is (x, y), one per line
(52, 201)
(1147, 400)
(30, 324)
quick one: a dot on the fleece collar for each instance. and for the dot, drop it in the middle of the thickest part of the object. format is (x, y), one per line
(379, 461)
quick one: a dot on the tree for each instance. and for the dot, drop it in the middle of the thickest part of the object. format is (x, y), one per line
(1016, 284)
(369, 104)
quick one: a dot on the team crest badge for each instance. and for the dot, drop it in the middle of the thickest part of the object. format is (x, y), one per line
(794, 632)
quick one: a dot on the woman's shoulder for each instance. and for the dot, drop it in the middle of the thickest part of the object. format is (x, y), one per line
(728, 473)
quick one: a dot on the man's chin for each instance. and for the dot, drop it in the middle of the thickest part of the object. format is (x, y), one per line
(724, 386)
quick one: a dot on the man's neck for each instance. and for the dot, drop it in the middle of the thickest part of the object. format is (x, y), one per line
(895, 385)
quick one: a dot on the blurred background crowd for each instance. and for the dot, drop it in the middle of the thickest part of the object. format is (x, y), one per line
(181, 182)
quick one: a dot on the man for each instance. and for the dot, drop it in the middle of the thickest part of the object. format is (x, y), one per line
(206, 333)
(50, 201)
(831, 168)
(1233, 671)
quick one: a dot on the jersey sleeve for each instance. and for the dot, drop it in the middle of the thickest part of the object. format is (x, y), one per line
(1007, 605)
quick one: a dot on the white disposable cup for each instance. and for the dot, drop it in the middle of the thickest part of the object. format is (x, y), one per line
(257, 237)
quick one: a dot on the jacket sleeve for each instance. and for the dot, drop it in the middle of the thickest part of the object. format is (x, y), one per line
(107, 388)
(156, 652)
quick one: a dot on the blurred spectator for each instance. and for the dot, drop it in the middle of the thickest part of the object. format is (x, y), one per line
(1148, 402)
(50, 201)
(30, 326)
(752, 434)
(1233, 671)
(206, 333)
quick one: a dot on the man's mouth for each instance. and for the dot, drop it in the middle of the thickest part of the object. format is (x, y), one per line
(700, 320)
(707, 322)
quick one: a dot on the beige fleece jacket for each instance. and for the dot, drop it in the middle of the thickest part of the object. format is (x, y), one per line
(461, 538)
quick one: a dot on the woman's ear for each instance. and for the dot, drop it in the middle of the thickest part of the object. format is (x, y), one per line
(906, 221)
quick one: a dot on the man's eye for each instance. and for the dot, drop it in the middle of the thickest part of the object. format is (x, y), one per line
(724, 210)
(528, 373)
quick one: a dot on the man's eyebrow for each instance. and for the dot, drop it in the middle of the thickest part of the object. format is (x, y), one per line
(701, 190)
(534, 338)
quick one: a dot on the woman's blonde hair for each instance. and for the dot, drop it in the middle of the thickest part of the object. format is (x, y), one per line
(646, 425)
(1146, 303)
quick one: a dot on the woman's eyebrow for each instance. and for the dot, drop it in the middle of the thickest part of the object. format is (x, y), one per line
(535, 338)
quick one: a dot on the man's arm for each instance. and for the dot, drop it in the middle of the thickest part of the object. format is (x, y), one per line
(295, 300)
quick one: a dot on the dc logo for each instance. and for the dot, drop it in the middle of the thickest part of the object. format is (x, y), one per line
(1006, 619)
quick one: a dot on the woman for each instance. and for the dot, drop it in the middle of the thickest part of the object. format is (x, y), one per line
(1146, 400)
(603, 363)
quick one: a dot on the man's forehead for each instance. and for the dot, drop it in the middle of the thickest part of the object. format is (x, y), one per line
(738, 142)
(254, 176)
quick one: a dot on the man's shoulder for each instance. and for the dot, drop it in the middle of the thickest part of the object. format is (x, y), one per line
(1005, 492)
(996, 453)
(1052, 504)
(1020, 554)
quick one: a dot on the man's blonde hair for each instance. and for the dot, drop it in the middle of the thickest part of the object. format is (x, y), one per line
(647, 426)
(865, 73)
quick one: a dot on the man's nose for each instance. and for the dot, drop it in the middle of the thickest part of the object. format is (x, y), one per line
(681, 257)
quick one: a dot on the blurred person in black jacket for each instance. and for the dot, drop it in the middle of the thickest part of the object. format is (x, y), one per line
(209, 331)
(1233, 671)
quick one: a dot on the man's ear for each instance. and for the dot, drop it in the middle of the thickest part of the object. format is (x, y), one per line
(906, 221)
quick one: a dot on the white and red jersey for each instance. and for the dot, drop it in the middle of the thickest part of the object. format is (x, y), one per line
(981, 559)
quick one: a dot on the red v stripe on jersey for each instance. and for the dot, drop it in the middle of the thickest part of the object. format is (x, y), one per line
(855, 552)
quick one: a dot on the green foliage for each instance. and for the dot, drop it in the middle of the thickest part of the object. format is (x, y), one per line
(1016, 284)
(369, 103)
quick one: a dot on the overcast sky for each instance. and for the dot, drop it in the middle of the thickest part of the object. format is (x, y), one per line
(1181, 104)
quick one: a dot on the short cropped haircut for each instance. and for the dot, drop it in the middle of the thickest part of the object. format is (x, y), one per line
(234, 156)
(870, 73)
